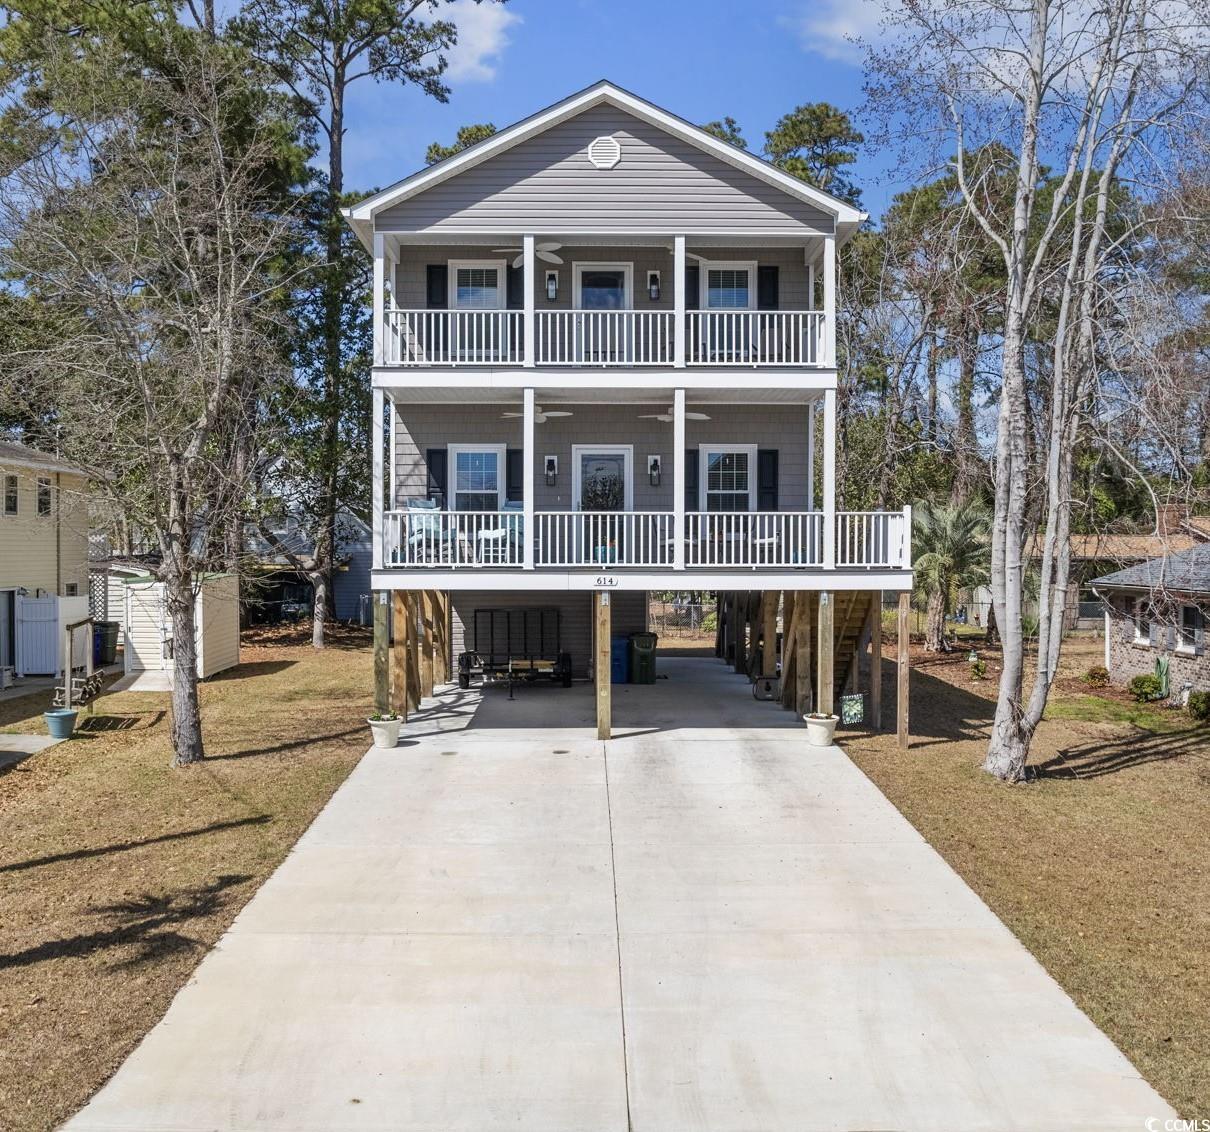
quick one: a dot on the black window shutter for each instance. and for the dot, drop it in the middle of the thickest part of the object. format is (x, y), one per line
(691, 474)
(514, 475)
(766, 287)
(516, 288)
(766, 479)
(693, 284)
(437, 460)
(437, 286)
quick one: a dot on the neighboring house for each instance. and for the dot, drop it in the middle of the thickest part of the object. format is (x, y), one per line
(607, 342)
(274, 582)
(43, 557)
(1158, 610)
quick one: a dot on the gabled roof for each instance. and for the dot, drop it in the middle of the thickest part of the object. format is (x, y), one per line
(1186, 572)
(13, 453)
(361, 216)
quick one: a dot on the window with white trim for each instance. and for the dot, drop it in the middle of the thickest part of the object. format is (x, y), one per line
(477, 476)
(728, 478)
(477, 285)
(1142, 621)
(1187, 630)
(728, 288)
(11, 495)
(45, 497)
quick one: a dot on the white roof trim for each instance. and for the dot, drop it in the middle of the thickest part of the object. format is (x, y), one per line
(363, 214)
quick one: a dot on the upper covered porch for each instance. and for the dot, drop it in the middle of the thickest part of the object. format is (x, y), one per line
(578, 300)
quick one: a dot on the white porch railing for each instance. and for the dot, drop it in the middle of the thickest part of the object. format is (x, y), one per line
(605, 539)
(725, 539)
(756, 338)
(450, 539)
(604, 338)
(783, 540)
(872, 539)
(461, 337)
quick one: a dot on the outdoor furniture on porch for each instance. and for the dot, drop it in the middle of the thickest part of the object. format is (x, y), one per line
(427, 539)
(503, 545)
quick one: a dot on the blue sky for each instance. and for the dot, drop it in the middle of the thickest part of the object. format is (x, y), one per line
(701, 59)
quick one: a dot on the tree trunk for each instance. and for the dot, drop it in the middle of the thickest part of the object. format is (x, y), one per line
(319, 608)
(186, 723)
(934, 629)
(965, 451)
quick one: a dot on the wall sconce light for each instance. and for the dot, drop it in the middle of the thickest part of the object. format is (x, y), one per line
(552, 286)
(653, 470)
(552, 470)
(653, 286)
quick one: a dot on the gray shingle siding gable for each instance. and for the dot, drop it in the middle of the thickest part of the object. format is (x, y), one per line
(547, 184)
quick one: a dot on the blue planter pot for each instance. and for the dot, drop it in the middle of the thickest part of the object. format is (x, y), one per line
(60, 722)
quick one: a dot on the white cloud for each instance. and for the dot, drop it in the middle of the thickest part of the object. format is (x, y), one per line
(835, 28)
(482, 37)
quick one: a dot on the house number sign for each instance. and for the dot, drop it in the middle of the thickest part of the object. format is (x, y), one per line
(604, 581)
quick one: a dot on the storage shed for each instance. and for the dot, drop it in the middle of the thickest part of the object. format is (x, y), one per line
(147, 628)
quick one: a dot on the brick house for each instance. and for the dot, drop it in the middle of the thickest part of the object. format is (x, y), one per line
(1158, 609)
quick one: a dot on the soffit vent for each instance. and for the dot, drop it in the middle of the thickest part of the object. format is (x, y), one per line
(605, 152)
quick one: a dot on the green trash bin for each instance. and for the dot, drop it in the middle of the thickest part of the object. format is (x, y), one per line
(642, 658)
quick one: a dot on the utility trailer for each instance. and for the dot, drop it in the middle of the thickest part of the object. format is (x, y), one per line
(514, 645)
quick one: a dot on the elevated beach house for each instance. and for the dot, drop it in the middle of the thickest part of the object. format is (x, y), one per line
(604, 365)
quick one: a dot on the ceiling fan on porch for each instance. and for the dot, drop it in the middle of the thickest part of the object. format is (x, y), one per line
(668, 418)
(541, 415)
(544, 251)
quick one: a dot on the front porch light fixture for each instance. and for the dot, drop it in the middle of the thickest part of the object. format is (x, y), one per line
(552, 286)
(653, 286)
(653, 471)
(552, 470)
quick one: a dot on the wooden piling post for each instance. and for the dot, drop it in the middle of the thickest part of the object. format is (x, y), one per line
(399, 688)
(802, 647)
(426, 643)
(441, 630)
(602, 666)
(789, 650)
(903, 666)
(768, 617)
(876, 663)
(382, 691)
(825, 680)
(413, 652)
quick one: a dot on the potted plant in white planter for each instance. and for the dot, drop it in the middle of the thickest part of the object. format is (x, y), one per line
(820, 728)
(385, 728)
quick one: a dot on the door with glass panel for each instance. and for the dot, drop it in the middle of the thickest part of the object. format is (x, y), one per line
(602, 331)
(602, 489)
(478, 335)
(728, 295)
(728, 496)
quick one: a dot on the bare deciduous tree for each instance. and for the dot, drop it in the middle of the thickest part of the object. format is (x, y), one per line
(153, 241)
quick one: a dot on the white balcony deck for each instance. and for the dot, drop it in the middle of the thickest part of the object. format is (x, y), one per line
(647, 540)
(620, 338)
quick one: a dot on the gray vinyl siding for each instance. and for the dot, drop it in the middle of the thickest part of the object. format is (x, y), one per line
(547, 184)
(421, 427)
(411, 293)
(628, 614)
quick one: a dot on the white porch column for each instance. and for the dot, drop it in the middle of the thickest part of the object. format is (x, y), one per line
(678, 302)
(829, 479)
(376, 454)
(812, 406)
(527, 475)
(829, 301)
(527, 277)
(678, 479)
(380, 268)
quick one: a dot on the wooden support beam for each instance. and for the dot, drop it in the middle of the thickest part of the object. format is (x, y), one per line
(789, 626)
(802, 648)
(825, 680)
(768, 620)
(901, 698)
(426, 643)
(399, 652)
(440, 672)
(382, 690)
(412, 679)
(601, 666)
(876, 662)
(740, 661)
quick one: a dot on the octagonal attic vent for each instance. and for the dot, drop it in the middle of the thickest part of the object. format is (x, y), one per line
(605, 152)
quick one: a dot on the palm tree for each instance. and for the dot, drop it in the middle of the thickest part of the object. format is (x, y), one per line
(953, 553)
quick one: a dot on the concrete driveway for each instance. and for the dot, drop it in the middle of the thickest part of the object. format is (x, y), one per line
(702, 924)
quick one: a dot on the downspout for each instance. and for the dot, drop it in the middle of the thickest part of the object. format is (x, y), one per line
(58, 534)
